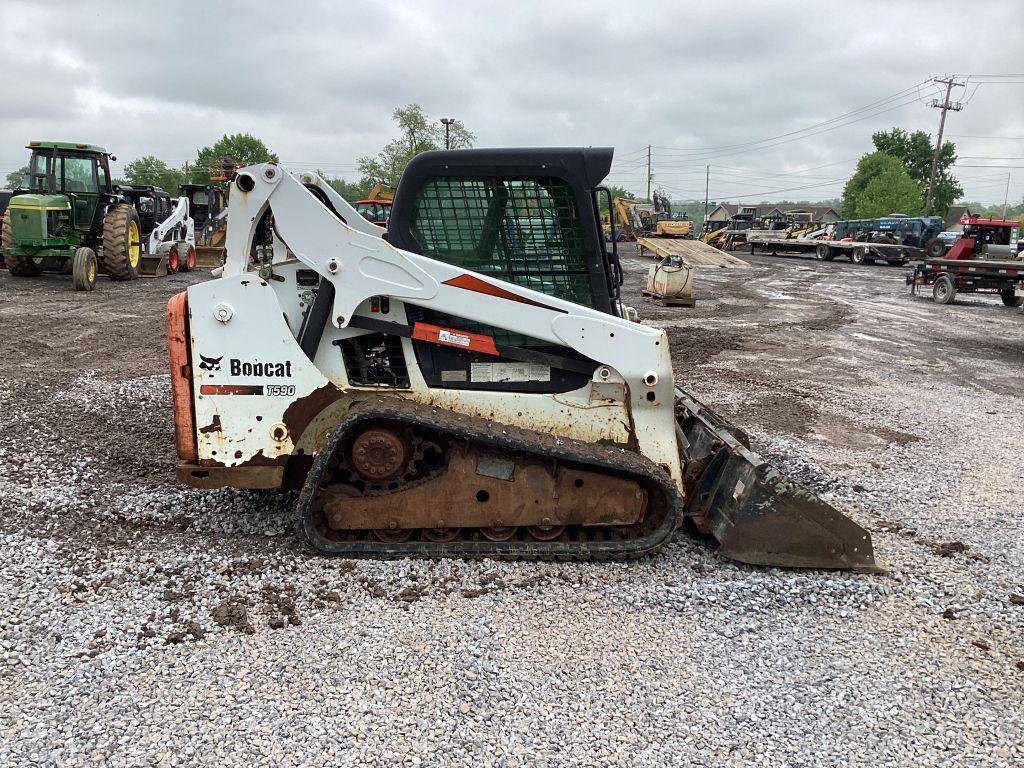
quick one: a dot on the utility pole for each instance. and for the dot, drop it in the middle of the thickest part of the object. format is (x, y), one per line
(648, 173)
(707, 184)
(945, 106)
(1006, 197)
(447, 122)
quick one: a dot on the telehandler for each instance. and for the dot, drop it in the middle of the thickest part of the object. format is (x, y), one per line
(469, 385)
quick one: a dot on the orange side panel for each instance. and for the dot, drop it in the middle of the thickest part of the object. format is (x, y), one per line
(181, 377)
(449, 337)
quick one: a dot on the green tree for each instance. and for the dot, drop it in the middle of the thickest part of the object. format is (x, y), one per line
(881, 185)
(243, 148)
(620, 192)
(14, 178)
(351, 191)
(915, 151)
(152, 170)
(417, 134)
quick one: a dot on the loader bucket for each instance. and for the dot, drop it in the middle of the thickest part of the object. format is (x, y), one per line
(210, 257)
(758, 515)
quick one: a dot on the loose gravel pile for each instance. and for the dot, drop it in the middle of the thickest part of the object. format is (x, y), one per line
(145, 623)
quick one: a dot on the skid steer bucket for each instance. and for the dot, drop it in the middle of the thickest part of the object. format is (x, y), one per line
(757, 514)
(210, 257)
(153, 265)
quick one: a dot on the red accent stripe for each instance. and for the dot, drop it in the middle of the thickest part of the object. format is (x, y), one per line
(449, 337)
(231, 389)
(470, 283)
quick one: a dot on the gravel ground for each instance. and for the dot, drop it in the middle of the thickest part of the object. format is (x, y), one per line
(145, 623)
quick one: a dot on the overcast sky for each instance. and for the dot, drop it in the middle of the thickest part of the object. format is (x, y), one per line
(698, 81)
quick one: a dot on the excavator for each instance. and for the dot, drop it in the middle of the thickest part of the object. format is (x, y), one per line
(634, 219)
(467, 384)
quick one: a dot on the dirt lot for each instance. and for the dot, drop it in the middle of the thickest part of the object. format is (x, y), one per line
(146, 623)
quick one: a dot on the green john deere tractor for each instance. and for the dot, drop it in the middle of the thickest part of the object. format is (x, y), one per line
(67, 217)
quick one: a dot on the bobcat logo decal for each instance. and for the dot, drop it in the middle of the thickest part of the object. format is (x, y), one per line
(210, 363)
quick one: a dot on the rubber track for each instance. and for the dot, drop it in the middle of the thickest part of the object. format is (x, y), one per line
(19, 266)
(606, 459)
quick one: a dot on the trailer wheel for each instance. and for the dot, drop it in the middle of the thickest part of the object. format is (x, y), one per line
(1010, 297)
(861, 256)
(943, 290)
(83, 269)
(822, 252)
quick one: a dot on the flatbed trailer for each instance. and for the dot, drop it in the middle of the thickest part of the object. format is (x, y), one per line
(826, 250)
(951, 276)
(691, 253)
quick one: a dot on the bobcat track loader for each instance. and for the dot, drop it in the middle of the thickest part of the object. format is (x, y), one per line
(467, 384)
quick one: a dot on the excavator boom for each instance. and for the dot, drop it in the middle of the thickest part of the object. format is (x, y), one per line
(468, 386)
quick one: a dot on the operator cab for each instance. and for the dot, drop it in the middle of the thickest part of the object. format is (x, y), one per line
(152, 204)
(375, 211)
(530, 217)
(62, 167)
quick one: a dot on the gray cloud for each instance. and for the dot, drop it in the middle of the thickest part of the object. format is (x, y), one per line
(318, 82)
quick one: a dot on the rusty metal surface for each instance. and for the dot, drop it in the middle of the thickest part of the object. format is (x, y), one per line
(538, 493)
(230, 477)
(379, 454)
(657, 523)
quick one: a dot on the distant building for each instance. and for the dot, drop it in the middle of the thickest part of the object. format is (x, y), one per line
(818, 213)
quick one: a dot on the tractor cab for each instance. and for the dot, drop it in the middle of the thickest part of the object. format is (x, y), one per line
(375, 211)
(78, 172)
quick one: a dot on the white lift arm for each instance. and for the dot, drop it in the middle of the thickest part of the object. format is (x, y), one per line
(178, 217)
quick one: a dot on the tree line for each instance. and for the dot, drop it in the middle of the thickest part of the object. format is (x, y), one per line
(416, 133)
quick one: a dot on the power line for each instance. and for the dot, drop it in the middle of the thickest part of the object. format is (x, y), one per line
(872, 105)
(998, 138)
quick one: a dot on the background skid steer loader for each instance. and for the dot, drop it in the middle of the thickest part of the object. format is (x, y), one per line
(470, 386)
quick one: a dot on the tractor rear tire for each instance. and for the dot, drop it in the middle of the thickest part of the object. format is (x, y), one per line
(943, 290)
(18, 266)
(83, 269)
(122, 243)
(1010, 298)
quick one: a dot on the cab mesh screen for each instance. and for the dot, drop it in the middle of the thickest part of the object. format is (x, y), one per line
(523, 231)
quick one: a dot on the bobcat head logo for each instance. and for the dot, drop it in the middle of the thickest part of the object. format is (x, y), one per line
(210, 363)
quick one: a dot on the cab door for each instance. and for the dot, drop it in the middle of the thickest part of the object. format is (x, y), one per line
(80, 183)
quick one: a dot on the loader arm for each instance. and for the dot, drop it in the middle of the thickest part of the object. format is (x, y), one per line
(179, 216)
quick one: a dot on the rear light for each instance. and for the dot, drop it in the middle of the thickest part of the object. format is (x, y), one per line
(181, 377)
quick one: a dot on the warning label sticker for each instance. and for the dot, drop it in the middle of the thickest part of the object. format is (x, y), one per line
(499, 372)
(450, 337)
